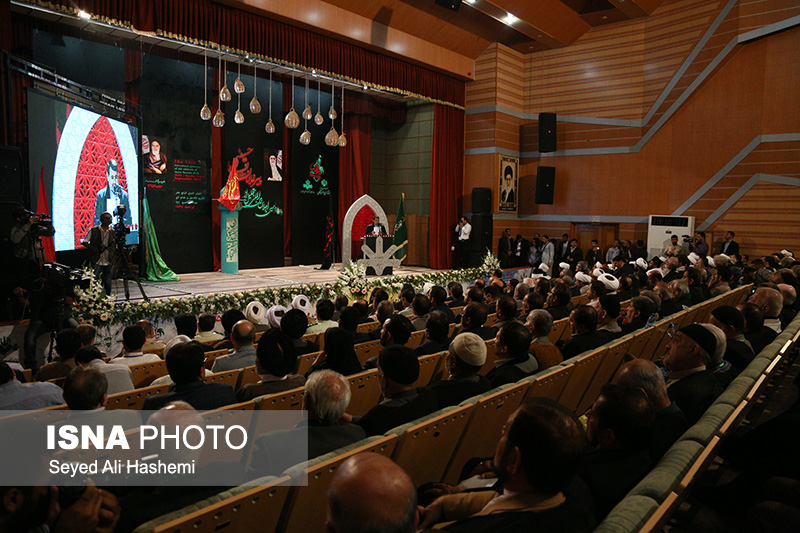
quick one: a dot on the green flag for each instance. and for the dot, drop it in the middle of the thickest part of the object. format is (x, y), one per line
(155, 269)
(400, 231)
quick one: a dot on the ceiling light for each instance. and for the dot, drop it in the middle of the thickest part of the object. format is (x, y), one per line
(83, 14)
(510, 19)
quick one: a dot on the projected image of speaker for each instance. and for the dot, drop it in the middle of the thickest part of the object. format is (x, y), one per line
(545, 184)
(449, 4)
(481, 200)
(547, 132)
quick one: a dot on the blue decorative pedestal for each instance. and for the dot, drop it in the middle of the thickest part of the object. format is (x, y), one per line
(229, 236)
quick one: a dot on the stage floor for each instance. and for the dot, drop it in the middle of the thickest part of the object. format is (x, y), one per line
(258, 278)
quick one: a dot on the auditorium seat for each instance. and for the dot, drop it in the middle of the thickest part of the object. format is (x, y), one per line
(144, 374)
(491, 357)
(368, 349)
(365, 392)
(248, 376)
(584, 369)
(558, 330)
(416, 338)
(551, 384)
(133, 399)
(285, 400)
(366, 327)
(229, 377)
(305, 361)
(431, 368)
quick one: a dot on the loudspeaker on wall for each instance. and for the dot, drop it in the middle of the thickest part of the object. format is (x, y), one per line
(545, 184)
(547, 132)
(481, 200)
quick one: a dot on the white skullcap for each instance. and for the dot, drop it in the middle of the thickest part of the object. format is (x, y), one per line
(641, 263)
(693, 258)
(427, 287)
(256, 312)
(275, 314)
(563, 265)
(610, 282)
(711, 262)
(597, 272)
(583, 277)
(301, 302)
(787, 253)
(653, 270)
(544, 268)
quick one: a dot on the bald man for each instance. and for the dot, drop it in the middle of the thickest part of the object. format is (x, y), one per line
(371, 493)
(670, 421)
(243, 335)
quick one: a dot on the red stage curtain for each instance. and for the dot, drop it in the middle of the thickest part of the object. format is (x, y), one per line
(205, 20)
(354, 164)
(447, 178)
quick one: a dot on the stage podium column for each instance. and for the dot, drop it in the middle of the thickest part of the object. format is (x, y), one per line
(229, 235)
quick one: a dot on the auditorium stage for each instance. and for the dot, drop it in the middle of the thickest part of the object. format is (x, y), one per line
(257, 278)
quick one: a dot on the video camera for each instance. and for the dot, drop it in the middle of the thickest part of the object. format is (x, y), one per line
(120, 229)
(43, 227)
(688, 239)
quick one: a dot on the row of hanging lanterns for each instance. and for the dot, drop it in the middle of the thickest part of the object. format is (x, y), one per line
(292, 120)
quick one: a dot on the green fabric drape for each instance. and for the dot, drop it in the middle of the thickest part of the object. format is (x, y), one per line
(155, 269)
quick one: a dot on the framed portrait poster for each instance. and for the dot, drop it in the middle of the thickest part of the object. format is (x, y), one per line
(508, 191)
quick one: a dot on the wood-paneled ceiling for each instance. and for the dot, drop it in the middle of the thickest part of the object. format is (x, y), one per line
(427, 33)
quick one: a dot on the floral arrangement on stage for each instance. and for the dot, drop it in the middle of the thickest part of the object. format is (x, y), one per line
(93, 307)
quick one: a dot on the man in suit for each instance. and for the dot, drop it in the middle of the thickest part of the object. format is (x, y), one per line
(376, 228)
(112, 196)
(276, 361)
(536, 458)
(85, 391)
(689, 384)
(514, 362)
(244, 353)
(465, 358)
(327, 395)
(101, 242)
(438, 297)
(729, 246)
(585, 337)
(504, 249)
(574, 254)
(562, 251)
(185, 367)
(398, 371)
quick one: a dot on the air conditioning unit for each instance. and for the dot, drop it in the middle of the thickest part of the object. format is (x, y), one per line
(661, 228)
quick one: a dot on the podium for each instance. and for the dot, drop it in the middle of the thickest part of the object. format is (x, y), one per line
(229, 237)
(379, 255)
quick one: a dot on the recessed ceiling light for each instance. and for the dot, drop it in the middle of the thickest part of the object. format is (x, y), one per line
(510, 19)
(83, 14)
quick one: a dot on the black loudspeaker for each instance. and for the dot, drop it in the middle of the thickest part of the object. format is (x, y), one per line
(480, 238)
(449, 4)
(547, 132)
(545, 184)
(481, 200)
(11, 174)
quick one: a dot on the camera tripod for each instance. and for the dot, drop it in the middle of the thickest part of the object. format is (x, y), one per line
(121, 268)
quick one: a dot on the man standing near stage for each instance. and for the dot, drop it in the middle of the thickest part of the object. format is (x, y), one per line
(112, 196)
(101, 242)
(464, 230)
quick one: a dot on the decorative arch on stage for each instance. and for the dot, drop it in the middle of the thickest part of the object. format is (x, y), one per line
(358, 217)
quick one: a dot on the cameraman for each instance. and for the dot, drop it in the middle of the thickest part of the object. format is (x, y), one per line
(27, 246)
(101, 242)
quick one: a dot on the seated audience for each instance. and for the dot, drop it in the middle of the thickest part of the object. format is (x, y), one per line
(438, 297)
(151, 344)
(638, 313)
(348, 321)
(506, 311)
(738, 350)
(513, 361)
(558, 301)
(185, 367)
(133, 338)
(88, 334)
(294, 324)
(244, 353)
(722, 369)
(457, 294)
(585, 337)
(85, 389)
(789, 294)
(532, 301)
(369, 492)
(473, 318)
(384, 312)
(491, 294)
(275, 365)
(396, 330)
(680, 293)
(118, 377)
(327, 395)
(398, 371)
(206, 324)
(421, 305)
(436, 333)
(465, 358)
(619, 426)
(537, 457)
(338, 355)
(540, 324)
(68, 341)
(756, 333)
(228, 319)
(16, 396)
(689, 383)
(698, 291)
(608, 310)
(771, 303)
(670, 422)
(668, 305)
(325, 310)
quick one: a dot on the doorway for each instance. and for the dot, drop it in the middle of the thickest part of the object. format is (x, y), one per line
(604, 233)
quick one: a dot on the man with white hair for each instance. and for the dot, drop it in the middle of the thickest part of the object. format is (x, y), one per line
(327, 395)
(789, 311)
(539, 323)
